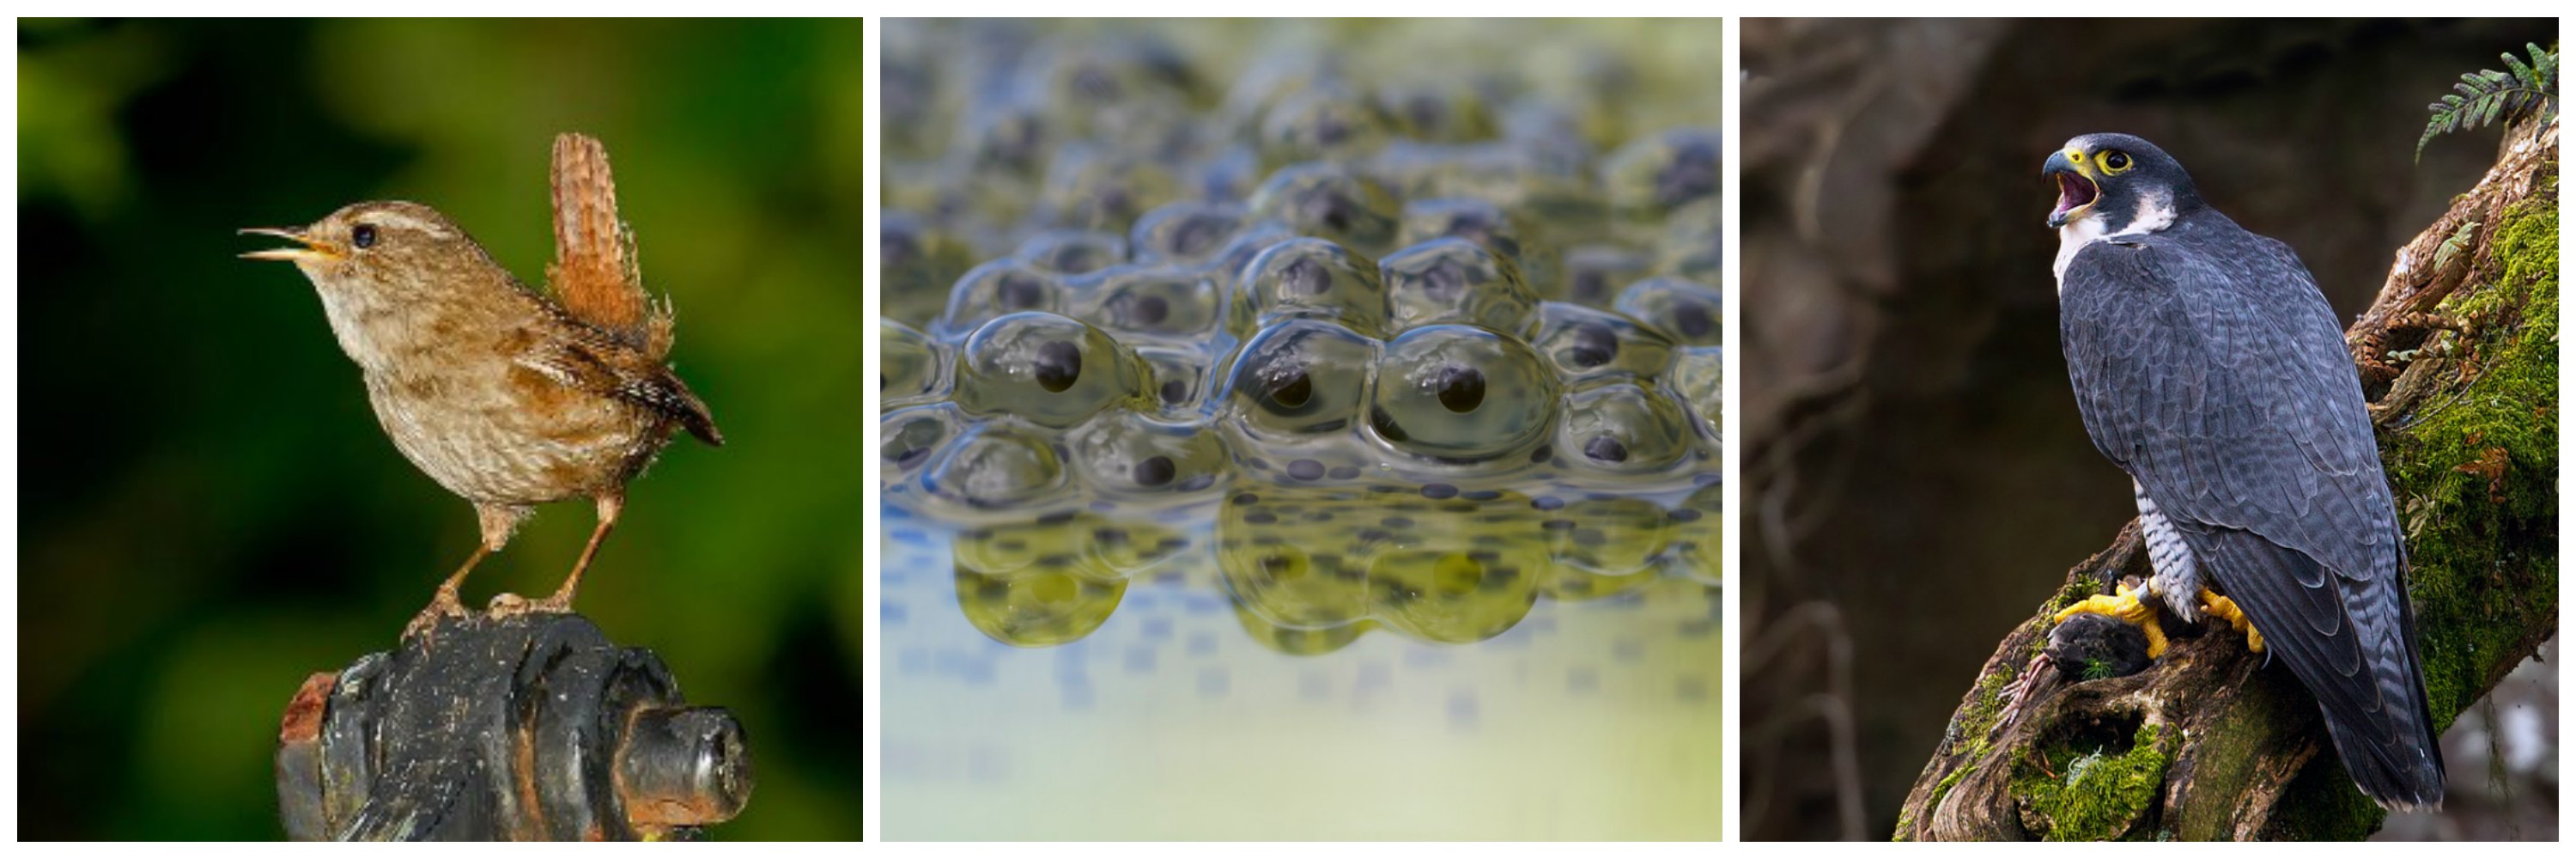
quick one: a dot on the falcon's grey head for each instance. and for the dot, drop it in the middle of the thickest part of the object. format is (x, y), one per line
(2109, 184)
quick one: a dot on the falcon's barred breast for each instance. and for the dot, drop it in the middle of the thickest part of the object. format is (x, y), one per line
(2210, 368)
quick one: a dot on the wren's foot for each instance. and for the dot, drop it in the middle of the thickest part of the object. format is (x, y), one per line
(443, 606)
(2123, 607)
(2225, 609)
(513, 605)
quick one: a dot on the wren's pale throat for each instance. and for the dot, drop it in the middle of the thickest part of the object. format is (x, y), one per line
(506, 396)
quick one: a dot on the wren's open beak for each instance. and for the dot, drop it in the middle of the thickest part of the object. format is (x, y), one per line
(2076, 190)
(313, 248)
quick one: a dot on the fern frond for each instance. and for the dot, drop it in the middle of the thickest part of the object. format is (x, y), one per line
(2487, 96)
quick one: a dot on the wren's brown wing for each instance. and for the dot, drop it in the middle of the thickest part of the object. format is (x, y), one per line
(578, 357)
(594, 272)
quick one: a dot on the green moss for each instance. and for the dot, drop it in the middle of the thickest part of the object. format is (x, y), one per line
(2322, 804)
(1942, 790)
(2475, 470)
(1976, 722)
(2095, 795)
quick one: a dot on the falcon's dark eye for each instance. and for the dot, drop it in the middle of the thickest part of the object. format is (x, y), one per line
(2114, 162)
(363, 235)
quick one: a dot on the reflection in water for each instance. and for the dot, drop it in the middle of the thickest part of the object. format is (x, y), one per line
(1553, 670)
(1308, 569)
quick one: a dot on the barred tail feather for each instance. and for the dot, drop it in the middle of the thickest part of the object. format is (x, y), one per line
(594, 272)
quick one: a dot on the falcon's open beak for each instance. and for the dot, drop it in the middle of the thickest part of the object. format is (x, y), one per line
(2076, 191)
(313, 249)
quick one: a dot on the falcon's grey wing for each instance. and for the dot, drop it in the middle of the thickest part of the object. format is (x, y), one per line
(2207, 365)
(2377, 716)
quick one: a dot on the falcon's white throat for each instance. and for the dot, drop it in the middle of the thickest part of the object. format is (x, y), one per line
(2155, 212)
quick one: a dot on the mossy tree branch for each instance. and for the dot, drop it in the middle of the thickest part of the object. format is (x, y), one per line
(2208, 742)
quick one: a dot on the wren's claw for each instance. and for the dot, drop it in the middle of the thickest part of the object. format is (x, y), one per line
(2124, 607)
(444, 606)
(2225, 609)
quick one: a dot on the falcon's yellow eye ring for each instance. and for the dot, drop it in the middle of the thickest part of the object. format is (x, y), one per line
(2116, 162)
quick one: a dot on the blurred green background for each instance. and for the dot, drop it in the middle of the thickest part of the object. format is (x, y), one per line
(209, 511)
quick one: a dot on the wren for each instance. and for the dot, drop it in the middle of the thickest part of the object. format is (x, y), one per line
(507, 396)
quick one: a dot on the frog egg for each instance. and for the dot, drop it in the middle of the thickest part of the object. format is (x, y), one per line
(1654, 175)
(1044, 607)
(1125, 455)
(1157, 301)
(1230, 175)
(920, 263)
(1327, 201)
(1091, 84)
(1474, 220)
(1298, 379)
(911, 90)
(1692, 245)
(1320, 124)
(1584, 343)
(1574, 580)
(1489, 227)
(1010, 140)
(1047, 370)
(1186, 232)
(1226, 268)
(1310, 279)
(1700, 536)
(1497, 174)
(1461, 394)
(912, 435)
(1622, 429)
(1454, 281)
(1699, 379)
(1548, 135)
(1126, 547)
(1690, 311)
(1595, 274)
(1088, 189)
(1291, 640)
(1179, 376)
(1454, 596)
(1284, 576)
(1072, 251)
(911, 367)
(1438, 113)
(994, 466)
(995, 289)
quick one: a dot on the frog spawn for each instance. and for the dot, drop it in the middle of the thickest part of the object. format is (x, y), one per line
(1310, 569)
(1480, 383)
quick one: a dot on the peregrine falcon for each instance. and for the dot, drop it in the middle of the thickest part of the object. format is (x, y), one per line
(2209, 367)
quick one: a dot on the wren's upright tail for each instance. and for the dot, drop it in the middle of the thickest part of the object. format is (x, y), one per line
(594, 272)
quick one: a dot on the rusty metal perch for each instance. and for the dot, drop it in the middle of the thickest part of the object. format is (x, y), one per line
(534, 727)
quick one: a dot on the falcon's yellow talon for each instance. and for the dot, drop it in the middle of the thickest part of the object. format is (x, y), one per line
(2126, 608)
(2225, 609)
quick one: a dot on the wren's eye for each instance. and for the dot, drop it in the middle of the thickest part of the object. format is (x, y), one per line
(2115, 162)
(363, 236)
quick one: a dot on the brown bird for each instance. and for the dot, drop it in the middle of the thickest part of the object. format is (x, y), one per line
(504, 395)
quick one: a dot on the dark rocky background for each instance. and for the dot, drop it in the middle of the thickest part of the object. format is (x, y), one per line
(1917, 477)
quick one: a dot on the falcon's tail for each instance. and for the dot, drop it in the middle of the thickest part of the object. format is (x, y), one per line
(2352, 643)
